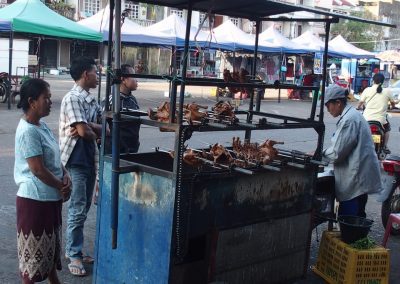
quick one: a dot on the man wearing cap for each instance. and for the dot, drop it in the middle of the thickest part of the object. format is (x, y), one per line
(356, 166)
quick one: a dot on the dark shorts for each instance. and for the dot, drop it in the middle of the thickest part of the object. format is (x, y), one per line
(354, 207)
(38, 238)
(386, 127)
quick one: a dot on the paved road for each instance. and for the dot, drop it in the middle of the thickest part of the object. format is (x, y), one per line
(150, 94)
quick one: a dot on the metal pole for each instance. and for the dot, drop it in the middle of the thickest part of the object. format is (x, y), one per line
(321, 132)
(38, 55)
(109, 54)
(101, 62)
(253, 73)
(324, 64)
(258, 26)
(10, 54)
(115, 128)
(185, 62)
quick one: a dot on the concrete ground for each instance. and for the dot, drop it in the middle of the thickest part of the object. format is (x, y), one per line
(151, 94)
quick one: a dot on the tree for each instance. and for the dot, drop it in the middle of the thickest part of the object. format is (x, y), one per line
(354, 31)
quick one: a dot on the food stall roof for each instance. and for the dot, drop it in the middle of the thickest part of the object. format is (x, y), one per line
(252, 9)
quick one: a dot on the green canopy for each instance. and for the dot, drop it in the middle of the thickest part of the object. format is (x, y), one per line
(32, 16)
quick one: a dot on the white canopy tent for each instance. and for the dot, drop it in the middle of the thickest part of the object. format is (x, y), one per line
(175, 28)
(311, 41)
(347, 49)
(272, 36)
(231, 37)
(130, 31)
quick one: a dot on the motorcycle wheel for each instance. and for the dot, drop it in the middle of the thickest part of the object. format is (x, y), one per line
(391, 205)
(3, 92)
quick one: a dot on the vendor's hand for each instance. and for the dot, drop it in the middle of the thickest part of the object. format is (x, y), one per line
(73, 132)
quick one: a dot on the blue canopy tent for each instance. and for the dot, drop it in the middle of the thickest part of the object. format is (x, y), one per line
(5, 25)
(34, 17)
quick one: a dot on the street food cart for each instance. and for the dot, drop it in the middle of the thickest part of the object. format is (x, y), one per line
(161, 220)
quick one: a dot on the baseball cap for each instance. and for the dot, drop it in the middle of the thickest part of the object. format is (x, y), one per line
(335, 92)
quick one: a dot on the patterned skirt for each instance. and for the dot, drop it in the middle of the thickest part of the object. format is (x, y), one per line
(38, 237)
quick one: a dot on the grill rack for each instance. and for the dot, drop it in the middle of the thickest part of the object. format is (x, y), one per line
(286, 158)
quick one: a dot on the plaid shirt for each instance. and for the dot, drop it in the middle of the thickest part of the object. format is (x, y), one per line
(77, 106)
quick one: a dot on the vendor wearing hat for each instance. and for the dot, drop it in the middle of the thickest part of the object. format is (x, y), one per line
(356, 166)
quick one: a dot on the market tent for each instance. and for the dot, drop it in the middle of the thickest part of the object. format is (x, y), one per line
(308, 39)
(271, 35)
(5, 25)
(389, 56)
(347, 49)
(130, 31)
(231, 37)
(32, 16)
(175, 27)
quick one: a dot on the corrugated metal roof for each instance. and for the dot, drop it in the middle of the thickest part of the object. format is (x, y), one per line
(251, 9)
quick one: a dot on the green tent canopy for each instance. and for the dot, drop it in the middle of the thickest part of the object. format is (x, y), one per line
(32, 16)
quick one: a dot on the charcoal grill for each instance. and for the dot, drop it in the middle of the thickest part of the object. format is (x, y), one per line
(161, 221)
(216, 210)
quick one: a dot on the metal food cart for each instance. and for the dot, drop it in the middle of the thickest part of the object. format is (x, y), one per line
(162, 221)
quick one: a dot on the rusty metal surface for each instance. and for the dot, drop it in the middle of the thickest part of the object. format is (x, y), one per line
(257, 252)
(226, 202)
(145, 227)
(268, 252)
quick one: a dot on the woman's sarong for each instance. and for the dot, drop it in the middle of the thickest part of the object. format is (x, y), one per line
(38, 237)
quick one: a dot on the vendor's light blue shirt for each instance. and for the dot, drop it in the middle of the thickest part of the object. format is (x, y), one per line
(30, 141)
(356, 165)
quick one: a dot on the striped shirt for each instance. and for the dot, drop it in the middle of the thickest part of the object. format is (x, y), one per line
(77, 106)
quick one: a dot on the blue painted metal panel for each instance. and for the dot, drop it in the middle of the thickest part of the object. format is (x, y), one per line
(146, 205)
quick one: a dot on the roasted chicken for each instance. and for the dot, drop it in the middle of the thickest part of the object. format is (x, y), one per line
(263, 153)
(236, 77)
(162, 113)
(193, 113)
(224, 110)
(220, 154)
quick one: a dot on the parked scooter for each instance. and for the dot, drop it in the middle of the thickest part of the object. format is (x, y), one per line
(4, 86)
(391, 193)
(378, 136)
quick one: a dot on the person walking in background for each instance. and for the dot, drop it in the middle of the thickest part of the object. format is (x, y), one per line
(43, 183)
(78, 131)
(376, 100)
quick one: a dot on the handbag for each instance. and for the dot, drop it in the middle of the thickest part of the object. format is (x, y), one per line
(283, 65)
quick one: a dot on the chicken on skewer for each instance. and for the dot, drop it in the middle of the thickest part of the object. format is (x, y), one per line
(264, 153)
(193, 114)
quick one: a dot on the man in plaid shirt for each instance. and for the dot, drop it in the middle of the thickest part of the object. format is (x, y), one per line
(78, 131)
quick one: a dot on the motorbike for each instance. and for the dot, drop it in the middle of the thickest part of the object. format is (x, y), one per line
(391, 190)
(4, 87)
(378, 136)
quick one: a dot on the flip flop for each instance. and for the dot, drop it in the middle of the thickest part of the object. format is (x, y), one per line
(76, 269)
(87, 259)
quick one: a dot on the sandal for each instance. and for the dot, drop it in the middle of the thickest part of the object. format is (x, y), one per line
(77, 269)
(87, 259)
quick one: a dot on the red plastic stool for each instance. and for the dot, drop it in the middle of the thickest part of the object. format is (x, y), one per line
(393, 218)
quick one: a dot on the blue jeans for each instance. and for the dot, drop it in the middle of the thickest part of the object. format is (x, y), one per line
(83, 181)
